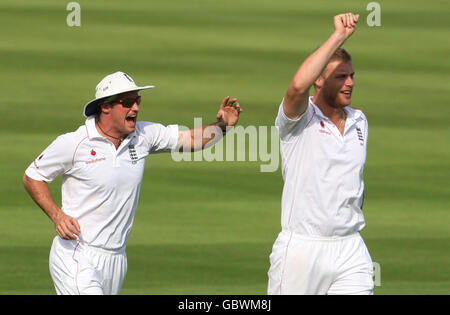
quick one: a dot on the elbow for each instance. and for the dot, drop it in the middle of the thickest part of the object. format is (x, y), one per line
(28, 182)
(25, 181)
(185, 141)
(296, 90)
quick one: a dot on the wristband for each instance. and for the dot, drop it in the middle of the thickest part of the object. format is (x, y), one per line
(224, 131)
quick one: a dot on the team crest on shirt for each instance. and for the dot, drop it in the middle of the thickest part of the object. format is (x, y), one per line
(133, 154)
(360, 136)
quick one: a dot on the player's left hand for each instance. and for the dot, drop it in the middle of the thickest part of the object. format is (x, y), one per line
(229, 111)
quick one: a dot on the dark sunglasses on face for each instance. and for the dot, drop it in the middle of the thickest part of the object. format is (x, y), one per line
(128, 102)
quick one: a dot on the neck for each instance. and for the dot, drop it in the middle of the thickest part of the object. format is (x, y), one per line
(109, 133)
(333, 113)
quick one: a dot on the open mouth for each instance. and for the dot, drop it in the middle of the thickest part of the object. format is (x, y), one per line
(131, 119)
(347, 93)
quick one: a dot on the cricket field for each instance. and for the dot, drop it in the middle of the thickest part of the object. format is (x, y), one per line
(207, 227)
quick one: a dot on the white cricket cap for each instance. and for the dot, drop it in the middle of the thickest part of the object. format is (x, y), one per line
(113, 84)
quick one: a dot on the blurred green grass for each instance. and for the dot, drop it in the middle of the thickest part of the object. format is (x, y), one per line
(208, 227)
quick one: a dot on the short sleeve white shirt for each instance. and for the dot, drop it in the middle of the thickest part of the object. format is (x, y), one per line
(100, 185)
(323, 172)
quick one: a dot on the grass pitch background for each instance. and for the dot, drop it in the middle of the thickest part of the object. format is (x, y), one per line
(208, 227)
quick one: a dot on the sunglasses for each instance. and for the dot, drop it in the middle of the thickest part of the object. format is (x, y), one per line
(128, 102)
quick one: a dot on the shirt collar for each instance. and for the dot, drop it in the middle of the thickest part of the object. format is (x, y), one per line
(93, 133)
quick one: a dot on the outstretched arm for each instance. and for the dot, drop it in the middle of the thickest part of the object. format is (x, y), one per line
(296, 98)
(207, 135)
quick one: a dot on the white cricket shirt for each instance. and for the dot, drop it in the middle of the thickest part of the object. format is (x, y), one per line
(323, 172)
(100, 185)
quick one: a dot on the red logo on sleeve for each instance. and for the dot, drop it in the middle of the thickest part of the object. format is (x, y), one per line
(93, 153)
(38, 159)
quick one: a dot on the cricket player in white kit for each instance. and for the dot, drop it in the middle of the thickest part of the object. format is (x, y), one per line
(323, 149)
(102, 164)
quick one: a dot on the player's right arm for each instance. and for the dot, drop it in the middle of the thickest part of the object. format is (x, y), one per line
(54, 161)
(66, 226)
(297, 95)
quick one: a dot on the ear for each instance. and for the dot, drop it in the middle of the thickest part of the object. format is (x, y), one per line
(105, 108)
(319, 82)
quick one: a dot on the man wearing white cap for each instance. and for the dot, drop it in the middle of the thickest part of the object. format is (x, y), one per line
(102, 165)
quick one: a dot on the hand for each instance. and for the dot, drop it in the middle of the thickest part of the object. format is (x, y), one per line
(228, 114)
(345, 24)
(67, 227)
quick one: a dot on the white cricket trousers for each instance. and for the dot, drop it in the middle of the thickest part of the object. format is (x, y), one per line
(311, 266)
(79, 269)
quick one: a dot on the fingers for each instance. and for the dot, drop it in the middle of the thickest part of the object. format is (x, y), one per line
(75, 225)
(233, 103)
(68, 228)
(225, 106)
(229, 111)
(225, 101)
(345, 24)
(353, 19)
(348, 19)
(238, 108)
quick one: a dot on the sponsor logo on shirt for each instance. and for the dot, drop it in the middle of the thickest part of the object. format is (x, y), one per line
(322, 124)
(93, 153)
(95, 160)
(325, 132)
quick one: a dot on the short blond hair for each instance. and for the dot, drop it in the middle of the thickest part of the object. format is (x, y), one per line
(341, 54)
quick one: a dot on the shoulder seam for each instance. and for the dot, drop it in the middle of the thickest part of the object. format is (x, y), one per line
(76, 149)
(312, 116)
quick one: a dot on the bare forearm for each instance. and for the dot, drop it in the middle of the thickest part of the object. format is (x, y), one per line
(296, 98)
(67, 227)
(313, 66)
(207, 135)
(40, 193)
(200, 138)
